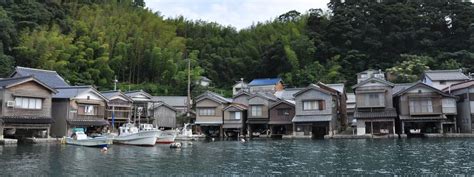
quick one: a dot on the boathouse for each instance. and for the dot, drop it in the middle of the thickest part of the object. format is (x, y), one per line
(235, 115)
(26, 108)
(316, 112)
(142, 102)
(425, 109)
(464, 92)
(164, 115)
(119, 108)
(209, 113)
(281, 114)
(258, 116)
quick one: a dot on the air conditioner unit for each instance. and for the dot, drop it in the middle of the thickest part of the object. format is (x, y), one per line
(10, 104)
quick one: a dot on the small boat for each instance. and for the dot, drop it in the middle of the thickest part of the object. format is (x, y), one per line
(415, 131)
(130, 134)
(166, 136)
(81, 139)
(186, 134)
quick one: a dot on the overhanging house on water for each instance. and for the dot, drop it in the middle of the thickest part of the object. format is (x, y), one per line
(119, 108)
(281, 114)
(78, 107)
(164, 115)
(235, 115)
(258, 116)
(375, 114)
(209, 113)
(425, 109)
(316, 112)
(142, 102)
(179, 103)
(26, 107)
(464, 91)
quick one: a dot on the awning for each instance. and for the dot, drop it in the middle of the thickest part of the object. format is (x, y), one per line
(232, 126)
(257, 121)
(312, 118)
(26, 120)
(422, 118)
(88, 122)
(276, 122)
(386, 113)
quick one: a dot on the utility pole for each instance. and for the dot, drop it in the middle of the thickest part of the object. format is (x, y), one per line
(115, 83)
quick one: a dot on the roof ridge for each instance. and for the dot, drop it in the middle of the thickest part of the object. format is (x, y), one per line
(16, 78)
(37, 69)
(75, 87)
(445, 70)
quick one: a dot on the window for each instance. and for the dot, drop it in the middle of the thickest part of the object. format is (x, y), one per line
(283, 112)
(207, 111)
(87, 109)
(421, 105)
(256, 110)
(373, 99)
(236, 115)
(314, 105)
(28, 103)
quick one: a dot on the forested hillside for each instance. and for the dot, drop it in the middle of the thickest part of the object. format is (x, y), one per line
(90, 42)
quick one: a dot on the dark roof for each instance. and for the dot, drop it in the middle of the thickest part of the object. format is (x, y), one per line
(373, 79)
(176, 101)
(313, 87)
(88, 122)
(10, 82)
(458, 86)
(287, 93)
(446, 75)
(159, 104)
(265, 95)
(27, 119)
(51, 78)
(237, 105)
(112, 93)
(282, 102)
(265, 81)
(73, 91)
(386, 113)
(241, 92)
(402, 86)
(312, 118)
(213, 96)
(133, 93)
(421, 84)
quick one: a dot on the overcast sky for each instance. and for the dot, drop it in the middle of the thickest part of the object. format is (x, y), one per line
(237, 13)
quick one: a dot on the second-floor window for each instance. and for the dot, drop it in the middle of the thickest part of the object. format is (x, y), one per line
(207, 111)
(28, 103)
(371, 100)
(314, 105)
(87, 109)
(283, 112)
(421, 105)
(235, 115)
(256, 110)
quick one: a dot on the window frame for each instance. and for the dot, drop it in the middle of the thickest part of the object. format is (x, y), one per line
(258, 112)
(26, 102)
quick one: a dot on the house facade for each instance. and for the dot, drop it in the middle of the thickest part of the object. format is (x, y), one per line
(209, 113)
(425, 109)
(119, 108)
(374, 112)
(179, 103)
(26, 107)
(270, 85)
(316, 112)
(240, 86)
(235, 115)
(164, 116)
(464, 92)
(364, 75)
(78, 107)
(258, 115)
(442, 79)
(142, 104)
(281, 114)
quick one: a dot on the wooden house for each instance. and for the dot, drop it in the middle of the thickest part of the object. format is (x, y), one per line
(164, 116)
(142, 102)
(179, 103)
(119, 108)
(209, 113)
(375, 114)
(464, 91)
(270, 85)
(235, 115)
(364, 75)
(240, 86)
(78, 107)
(442, 79)
(425, 109)
(316, 112)
(258, 116)
(25, 107)
(281, 114)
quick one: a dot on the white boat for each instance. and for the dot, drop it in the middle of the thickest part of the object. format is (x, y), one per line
(186, 134)
(81, 139)
(166, 136)
(130, 134)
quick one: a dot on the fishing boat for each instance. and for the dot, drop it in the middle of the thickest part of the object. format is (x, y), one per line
(81, 139)
(186, 133)
(166, 137)
(132, 135)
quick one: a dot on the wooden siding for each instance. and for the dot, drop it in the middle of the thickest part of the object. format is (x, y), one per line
(242, 99)
(259, 101)
(60, 110)
(274, 116)
(28, 89)
(314, 95)
(208, 103)
(404, 103)
(164, 117)
(387, 90)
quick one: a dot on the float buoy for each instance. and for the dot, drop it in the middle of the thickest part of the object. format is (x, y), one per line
(175, 145)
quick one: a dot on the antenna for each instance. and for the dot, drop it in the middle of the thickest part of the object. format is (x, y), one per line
(115, 83)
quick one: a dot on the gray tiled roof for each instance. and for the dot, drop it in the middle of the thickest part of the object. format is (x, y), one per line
(14, 80)
(175, 101)
(134, 93)
(446, 75)
(214, 96)
(402, 86)
(386, 113)
(288, 93)
(458, 86)
(266, 95)
(339, 87)
(112, 93)
(312, 118)
(50, 78)
(71, 91)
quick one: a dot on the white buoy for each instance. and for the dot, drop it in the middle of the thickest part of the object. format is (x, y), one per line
(175, 145)
(243, 140)
(213, 139)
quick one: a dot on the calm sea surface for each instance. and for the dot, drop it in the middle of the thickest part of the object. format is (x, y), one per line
(257, 157)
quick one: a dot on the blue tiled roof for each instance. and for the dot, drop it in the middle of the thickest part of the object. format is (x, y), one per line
(264, 81)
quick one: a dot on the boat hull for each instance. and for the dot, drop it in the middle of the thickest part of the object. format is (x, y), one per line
(93, 142)
(166, 137)
(147, 138)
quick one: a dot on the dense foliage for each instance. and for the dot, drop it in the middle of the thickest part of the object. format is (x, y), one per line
(91, 42)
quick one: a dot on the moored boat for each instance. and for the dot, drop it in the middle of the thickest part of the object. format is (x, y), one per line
(166, 137)
(186, 134)
(130, 134)
(81, 139)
